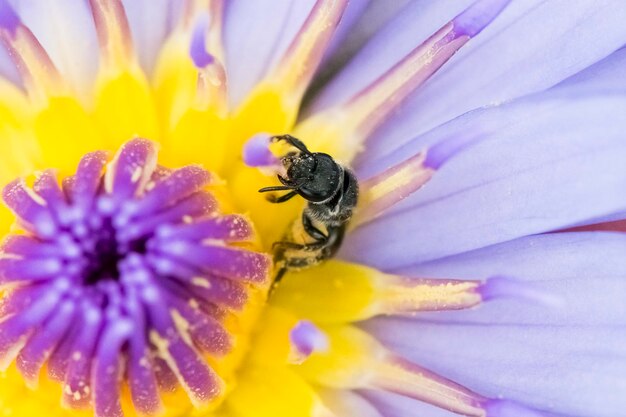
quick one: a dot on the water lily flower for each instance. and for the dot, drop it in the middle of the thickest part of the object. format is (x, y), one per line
(481, 274)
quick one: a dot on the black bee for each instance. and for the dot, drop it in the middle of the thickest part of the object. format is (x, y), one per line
(331, 191)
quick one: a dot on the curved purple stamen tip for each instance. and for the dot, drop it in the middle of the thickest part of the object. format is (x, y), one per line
(306, 338)
(8, 18)
(507, 287)
(256, 152)
(505, 408)
(476, 17)
(440, 153)
(106, 260)
(198, 48)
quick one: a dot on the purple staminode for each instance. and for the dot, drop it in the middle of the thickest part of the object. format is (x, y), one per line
(305, 339)
(256, 152)
(443, 151)
(478, 16)
(109, 267)
(508, 287)
(197, 48)
(504, 408)
(9, 20)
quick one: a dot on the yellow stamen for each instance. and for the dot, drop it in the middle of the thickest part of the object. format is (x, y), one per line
(340, 292)
(405, 378)
(54, 132)
(113, 33)
(357, 361)
(272, 392)
(191, 101)
(14, 398)
(296, 68)
(355, 120)
(125, 108)
(379, 193)
(372, 105)
(280, 93)
(38, 72)
(195, 131)
(347, 403)
(18, 140)
(124, 104)
(214, 37)
(398, 295)
(211, 83)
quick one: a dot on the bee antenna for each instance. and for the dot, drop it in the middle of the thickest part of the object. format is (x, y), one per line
(277, 188)
(296, 143)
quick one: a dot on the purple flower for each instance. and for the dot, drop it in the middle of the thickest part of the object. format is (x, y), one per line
(480, 274)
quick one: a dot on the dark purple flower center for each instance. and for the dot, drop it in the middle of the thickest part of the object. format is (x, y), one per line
(126, 260)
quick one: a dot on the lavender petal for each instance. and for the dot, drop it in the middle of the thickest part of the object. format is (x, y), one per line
(497, 190)
(568, 360)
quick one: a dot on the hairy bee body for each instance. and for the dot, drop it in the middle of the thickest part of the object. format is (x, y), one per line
(331, 192)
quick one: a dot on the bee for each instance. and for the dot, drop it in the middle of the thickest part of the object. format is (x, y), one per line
(331, 192)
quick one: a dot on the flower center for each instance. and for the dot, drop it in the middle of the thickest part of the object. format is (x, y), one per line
(127, 259)
(103, 253)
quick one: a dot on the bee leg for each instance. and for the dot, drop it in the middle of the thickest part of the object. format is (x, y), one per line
(280, 267)
(285, 244)
(335, 237)
(301, 263)
(288, 245)
(320, 239)
(313, 231)
(286, 266)
(296, 143)
(273, 199)
(279, 275)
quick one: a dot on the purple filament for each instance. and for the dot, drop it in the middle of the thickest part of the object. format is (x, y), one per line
(113, 260)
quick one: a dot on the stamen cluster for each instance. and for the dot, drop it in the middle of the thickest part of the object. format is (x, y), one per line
(124, 259)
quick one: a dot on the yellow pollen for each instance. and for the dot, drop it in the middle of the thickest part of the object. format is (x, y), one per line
(201, 282)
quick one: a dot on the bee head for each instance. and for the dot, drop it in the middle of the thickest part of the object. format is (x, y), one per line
(316, 175)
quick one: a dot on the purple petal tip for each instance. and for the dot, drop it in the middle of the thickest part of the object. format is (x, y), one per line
(504, 408)
(8, 18)
(306, 338)
(506, 287)
(476, 17)
(440, 153)
(201, 58)
(256, 152)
